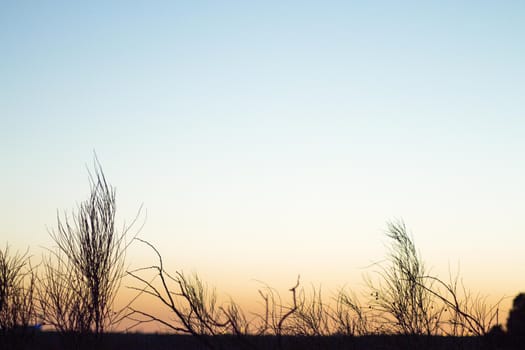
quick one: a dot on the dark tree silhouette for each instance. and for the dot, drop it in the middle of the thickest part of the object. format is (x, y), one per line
(516, 319)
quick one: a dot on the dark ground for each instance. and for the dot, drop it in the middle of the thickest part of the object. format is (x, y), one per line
(136, 341)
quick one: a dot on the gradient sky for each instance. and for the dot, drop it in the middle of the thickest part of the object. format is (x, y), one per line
(267, 139)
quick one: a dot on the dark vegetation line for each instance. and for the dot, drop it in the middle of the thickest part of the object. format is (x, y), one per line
(73, 289)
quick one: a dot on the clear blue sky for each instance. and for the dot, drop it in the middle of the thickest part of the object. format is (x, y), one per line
(276, 137)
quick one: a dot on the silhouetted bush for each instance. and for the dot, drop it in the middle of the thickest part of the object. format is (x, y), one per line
(402, 296)
(83, 274)
(17, 288)
(495, 338)
(407, 299)
(18, 313)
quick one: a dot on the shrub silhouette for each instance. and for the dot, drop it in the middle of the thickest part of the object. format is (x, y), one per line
(516, 320)
(83, 273)
(403, 295)
(17, 288)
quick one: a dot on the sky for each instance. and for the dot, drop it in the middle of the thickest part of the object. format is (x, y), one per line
(276, 138)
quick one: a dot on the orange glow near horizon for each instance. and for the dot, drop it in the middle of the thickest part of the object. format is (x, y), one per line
(252, 305)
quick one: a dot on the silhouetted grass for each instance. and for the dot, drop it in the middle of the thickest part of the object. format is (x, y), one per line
(140, 341)
(405, 307)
